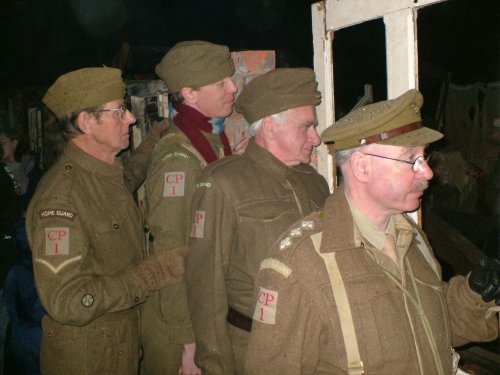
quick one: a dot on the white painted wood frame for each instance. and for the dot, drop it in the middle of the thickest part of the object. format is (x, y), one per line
(400, 19)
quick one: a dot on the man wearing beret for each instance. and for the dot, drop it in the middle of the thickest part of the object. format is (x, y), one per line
(243, 204)
(198, 77)
(87, 236)
(356, 288)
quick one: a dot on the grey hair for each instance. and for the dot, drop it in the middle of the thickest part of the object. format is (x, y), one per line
(69, 125)
(254, 126)
(341, 157)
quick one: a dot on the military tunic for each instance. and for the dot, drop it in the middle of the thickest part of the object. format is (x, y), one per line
(241, 207)
(170, 185)
(86, 232)
(297, 329)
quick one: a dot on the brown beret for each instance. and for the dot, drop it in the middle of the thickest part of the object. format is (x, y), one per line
(394, 122)
(276, 91)
(194, 64)
(84, 88)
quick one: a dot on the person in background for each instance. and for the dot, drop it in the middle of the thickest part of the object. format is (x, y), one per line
(243, 204)
(10, 212)
(198, 76)
(360, 291)
(25, 312)
(86, 233)
(24, 166)
(22, 162)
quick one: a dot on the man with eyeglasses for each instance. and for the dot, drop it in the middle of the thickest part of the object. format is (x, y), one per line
(356, 288)
(86, 233)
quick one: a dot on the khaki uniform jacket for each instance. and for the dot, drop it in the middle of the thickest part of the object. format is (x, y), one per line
(170, 185)
(297, 328)
(241, 207)
(85, 232)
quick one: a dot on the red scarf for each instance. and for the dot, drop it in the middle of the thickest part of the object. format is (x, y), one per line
(192, 123)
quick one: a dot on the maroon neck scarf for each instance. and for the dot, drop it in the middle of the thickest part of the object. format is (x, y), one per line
(192, 123)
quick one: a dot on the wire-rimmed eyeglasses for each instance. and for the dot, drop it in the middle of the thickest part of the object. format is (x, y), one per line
(121, 109)
(415, 164)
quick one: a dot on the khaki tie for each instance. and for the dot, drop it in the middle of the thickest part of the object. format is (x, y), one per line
(390, 248)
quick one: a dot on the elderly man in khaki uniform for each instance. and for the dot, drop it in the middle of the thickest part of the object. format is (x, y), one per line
(87, 236)
(243, 204)
(356, 287)
(198, 76)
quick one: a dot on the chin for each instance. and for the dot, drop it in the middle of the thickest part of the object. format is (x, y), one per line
(413, 207)
(225, 113)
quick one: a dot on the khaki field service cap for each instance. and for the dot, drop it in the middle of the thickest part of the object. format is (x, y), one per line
(194, 64)
(277, 91)
(394, 122)
(84, 88)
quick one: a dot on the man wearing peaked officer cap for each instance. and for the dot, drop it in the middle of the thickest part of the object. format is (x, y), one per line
(242, 205)
(198, 76)
(86, 234)
(359, 290)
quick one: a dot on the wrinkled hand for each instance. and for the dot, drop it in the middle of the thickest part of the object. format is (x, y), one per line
(485, 280)
(188, 366)
(164, 267)
(171, 265)
(157, 130)
(240, 148)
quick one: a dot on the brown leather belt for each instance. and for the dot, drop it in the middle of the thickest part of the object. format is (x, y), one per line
(390, 133)
(239, 320)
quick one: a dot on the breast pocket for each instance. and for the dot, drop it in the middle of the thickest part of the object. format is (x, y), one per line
(261, 224)
(117, 239)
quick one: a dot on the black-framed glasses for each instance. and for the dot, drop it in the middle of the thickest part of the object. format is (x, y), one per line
(415, 164)
(121, 109)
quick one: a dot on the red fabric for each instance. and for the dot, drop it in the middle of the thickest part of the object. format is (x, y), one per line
(192, 123)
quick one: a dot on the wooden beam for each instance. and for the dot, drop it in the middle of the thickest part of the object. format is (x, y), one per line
(323, 67)
(345, 13)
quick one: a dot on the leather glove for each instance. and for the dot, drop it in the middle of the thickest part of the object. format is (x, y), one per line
(162, 268)
(157, 130)
(485, 280)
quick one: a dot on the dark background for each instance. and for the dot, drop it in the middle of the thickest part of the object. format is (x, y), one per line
(42, 39)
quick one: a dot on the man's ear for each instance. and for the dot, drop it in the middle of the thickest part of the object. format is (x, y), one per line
(83, 121)
(360, 165)
(269, 127)
(189, 95)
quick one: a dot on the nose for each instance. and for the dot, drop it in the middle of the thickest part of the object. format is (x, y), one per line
(130, 117)
(314, 136)
(425, 171)
(231, 86)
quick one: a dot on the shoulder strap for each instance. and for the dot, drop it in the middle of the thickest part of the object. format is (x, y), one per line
(354, 363)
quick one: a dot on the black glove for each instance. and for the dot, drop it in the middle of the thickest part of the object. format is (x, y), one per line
(485, 280)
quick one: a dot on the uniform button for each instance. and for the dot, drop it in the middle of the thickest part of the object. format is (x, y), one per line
(68, 167)
(49, 334)
(136, 299)
(479, 305)
(120, 353)
(116, 226)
